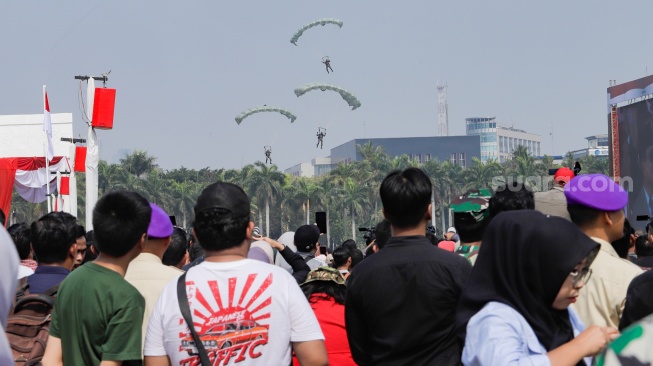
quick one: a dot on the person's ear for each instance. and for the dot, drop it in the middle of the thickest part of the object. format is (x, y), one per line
(249, 231)
(607, 219)
(72, 251)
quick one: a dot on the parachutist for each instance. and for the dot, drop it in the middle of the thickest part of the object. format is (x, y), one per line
(268, 153)
(320, 137)
(327, 63)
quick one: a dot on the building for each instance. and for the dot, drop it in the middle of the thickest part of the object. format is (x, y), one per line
(499, 141)
(597, 146)
(456, 149)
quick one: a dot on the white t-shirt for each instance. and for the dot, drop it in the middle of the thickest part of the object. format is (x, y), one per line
(244, 311)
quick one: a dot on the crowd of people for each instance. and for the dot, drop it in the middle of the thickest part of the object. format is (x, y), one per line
(521, 278)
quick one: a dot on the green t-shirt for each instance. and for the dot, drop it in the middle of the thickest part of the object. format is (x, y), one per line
(98, 316)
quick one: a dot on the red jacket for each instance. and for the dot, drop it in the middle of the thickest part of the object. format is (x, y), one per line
(331, 317)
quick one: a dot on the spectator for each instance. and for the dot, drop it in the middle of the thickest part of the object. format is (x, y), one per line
(639, 300)
(298, 267)
(350, 244)
(553, 201)
(177, 253)
(8, 272)
(511, 196)
(325, 290)
(20, 235)
(195, 254)
(622, 245)
(470, 217)
(97, 315)
(595, 204)
(269, 302)
(644, 251)
(308, 247)
(146, 272)
(91, 249)
(356, 257)
(53, 241)
(515, 306)
(382, 233)
(342, 260)
(392, 329)
(80, 239)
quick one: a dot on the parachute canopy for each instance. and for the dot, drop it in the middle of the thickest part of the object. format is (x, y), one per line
(265, 108)
(346, 95)
(325, 21)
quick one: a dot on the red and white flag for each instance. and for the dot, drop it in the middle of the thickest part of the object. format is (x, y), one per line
(47, 126)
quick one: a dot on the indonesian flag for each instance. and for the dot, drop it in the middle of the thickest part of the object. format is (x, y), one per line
(47, 126)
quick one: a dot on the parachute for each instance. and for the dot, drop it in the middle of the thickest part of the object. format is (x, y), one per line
(265, 108)
(325, 21)
(347, 96)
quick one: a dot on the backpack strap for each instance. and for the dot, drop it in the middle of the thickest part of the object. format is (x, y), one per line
(182, 298)
(52, 291)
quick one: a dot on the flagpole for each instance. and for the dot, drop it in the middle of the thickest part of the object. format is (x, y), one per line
(47, 165)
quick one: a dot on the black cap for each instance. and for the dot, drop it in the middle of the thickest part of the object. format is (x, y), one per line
(306, 237)
(229, 198)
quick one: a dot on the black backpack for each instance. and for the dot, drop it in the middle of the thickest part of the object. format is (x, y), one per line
(28, 326)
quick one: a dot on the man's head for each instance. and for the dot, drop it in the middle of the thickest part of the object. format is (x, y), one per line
(562, 177)
(510, 197)
(341, 258)
(20, 234)
(120, 221)
(406, 196)
(177, 253)
(383, 233)
(53, 239)
(471, 214)
(622, 245)
(595, 203)
(80, 240)
(306, 238)
(222, 218)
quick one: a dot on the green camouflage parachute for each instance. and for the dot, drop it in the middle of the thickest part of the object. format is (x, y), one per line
(265, 108)
(325, 21)
(347, 96)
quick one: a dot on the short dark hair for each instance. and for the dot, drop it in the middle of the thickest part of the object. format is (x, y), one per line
(340, 256)
(349, 244)
(383, 233)
(120, 218)
(195, 251)
(52, 235)
(405, 195)
(643, 247)
(214, 232)
(89, 256)
(510, 197)
(177, 248)
(356, 257)
(622, 245)
(468, 228)
(20, 234)
(582, 215)
(328, 289)
(80, 231)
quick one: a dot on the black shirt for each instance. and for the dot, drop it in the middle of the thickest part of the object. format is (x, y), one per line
(639, 299)
(401, 305)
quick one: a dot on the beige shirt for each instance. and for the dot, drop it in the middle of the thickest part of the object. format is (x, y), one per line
(149, 276)
(601, 301)
(552, 202)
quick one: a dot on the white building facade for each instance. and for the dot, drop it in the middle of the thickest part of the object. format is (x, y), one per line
(499, 141)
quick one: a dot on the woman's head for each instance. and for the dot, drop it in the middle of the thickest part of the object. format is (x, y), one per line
(326, 282)
(571, 286)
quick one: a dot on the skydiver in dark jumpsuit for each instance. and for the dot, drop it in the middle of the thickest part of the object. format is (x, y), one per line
(320, 136)
(268, 152)
(327, 63)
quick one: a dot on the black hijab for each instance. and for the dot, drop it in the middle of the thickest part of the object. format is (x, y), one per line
(524, 259)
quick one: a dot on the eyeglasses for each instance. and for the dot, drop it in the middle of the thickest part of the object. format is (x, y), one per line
(580, 276)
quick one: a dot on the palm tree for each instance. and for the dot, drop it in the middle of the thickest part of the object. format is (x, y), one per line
(354, 197)
(183, 196)
(265, 184)
(329, 193)
(138, 163)
(481, 175)
(307, 190)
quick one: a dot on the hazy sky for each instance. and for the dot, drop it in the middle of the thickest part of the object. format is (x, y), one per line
(184, 70)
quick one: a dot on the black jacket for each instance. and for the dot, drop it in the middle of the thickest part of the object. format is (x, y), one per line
(401, 305)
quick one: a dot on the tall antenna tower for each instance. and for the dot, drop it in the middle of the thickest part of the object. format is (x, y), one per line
(443, 115)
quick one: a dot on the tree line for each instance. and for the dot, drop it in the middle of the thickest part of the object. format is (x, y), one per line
(281, 202)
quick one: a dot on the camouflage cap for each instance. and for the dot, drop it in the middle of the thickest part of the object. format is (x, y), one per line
(325, 274)
(475, 202)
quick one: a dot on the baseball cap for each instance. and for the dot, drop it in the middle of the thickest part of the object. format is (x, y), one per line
(325, 274)
(228, 198)
(306, 237)
(451, 230)
(563, 174)
(160, 224)
(596, 191)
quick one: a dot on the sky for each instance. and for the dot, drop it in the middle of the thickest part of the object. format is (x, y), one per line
(184, 70)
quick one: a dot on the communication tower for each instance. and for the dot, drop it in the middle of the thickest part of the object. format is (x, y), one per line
(443, 115)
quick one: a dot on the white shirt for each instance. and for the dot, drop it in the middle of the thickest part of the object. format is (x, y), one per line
(244, 311)
(9, 261)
